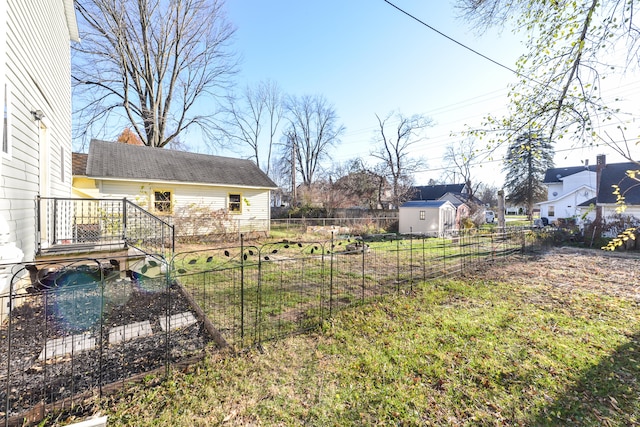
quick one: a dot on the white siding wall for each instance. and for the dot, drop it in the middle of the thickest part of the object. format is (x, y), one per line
(609, 211)
(255, 202)
(556, 187)
(567, 205)
(409, 220)
(37, 55)
(577, 180)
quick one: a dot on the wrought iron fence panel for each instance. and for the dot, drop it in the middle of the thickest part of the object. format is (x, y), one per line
(291, 288)
(76, 327)
(147, 232)
(73, 328)
(224, 284)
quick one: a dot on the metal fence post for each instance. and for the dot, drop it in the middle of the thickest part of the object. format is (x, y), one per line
(411, 259)
(54, 222)
(242, 287)
(101, 337)
(444, 256)
(38, 235)
(124, 221)
(424, 262)
(8, 389)
(398, 263)
(363, 270)
(331, 277)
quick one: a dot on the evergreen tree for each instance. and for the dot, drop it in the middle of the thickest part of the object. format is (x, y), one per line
(527, 160)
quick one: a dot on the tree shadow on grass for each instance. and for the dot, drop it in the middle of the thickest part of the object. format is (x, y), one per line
(608, 394)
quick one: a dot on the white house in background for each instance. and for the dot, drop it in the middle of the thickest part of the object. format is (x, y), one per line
(232, 194)
(35, 89)
(610, 175)
(567, 189)
(428, 217)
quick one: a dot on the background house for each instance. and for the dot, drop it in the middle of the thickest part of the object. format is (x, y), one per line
(567, 189)
(35, 88)
(458, 194)
(610, 175)
(199, 193)
(429, 217)
(434, 192)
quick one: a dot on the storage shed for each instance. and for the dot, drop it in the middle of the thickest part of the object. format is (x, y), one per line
(429, 217)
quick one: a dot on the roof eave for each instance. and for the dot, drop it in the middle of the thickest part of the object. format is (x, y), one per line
(160, 181)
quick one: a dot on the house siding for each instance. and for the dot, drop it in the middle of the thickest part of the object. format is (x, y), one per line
(437, 219)
(566, 206)
(185, 197)
(37, 72)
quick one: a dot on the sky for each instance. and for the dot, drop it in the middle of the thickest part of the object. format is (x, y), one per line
(366, 58)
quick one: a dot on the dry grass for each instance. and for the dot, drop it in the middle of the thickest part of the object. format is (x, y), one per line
(553, 340)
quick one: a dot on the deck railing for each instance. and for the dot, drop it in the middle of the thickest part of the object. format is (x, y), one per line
(68, 224)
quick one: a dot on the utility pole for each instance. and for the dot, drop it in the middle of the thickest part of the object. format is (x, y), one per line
(501, 222)
(294, 195)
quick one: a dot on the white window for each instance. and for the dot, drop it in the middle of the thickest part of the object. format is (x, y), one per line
(162, 201)
(422, 215)
(235, 203)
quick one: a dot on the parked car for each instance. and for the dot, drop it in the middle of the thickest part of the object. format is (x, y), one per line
(540, 222)
(489, 216)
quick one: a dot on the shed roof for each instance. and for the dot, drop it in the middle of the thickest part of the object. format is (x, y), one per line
(425, 203)
(109, 160)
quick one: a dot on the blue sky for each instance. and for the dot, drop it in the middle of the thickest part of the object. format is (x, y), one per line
(365, 57)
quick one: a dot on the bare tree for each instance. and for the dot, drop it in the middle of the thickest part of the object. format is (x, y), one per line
(147, 63)
(360, 185)
(488, 194)
(313, 128)
(460, 158)
(253, 120)
(394, 142)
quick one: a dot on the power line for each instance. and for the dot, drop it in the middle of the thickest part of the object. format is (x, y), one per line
(483, 162)
(460, 43)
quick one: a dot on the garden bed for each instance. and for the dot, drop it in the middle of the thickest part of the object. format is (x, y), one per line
(67, 341)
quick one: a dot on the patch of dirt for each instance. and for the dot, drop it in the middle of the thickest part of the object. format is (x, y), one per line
(610, 273)
(89, 312)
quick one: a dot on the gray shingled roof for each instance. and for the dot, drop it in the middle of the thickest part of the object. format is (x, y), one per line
(556, 174)
(125, 161)
(616, 173)
(434, 192)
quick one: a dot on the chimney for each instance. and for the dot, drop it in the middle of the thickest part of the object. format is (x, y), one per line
(601, 162)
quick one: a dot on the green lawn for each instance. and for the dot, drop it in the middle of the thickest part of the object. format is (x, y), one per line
(472, 352)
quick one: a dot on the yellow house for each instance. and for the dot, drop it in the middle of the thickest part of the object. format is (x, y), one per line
(198, 193)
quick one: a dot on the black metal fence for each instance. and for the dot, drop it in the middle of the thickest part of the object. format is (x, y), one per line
(74, 329)
(253, 294)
